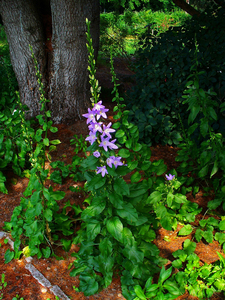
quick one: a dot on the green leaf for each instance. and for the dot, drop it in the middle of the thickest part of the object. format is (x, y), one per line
(46, 252)
(93, 229)
(121, 187)
(189, 246)
(128, 213)
(66, 244)
(214, 169)
(55, 142)
(198, 235)
(88, 285)
(132, 253)
(154, 198)
(179, 198)
(9, 255)
(124, 153)
(139, 292)
(46, 141)
(48, 214)
(222, 225)
(115, 228)
(136, 177)
(169, 199)
(208, 234)
(164, 274)
(186, 230)
(220, 237)
(57, 195)
(120, 133)
(116, 200)
(204, 171)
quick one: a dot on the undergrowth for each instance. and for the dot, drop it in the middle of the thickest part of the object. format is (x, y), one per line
(120, 220)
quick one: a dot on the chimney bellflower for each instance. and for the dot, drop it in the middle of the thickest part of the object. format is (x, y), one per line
(102, 170)
(170, 177)
(90, 116)
(105, 143)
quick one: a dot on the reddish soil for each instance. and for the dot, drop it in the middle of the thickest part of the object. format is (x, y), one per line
(21, 282)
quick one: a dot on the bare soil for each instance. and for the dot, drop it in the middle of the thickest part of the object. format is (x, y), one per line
(18, 277)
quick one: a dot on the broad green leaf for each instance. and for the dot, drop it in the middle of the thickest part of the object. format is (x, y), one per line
(105, 246)
(120, 186)
(48, 214)
(139, 292)
(212, 113)
(133, 254)
(77, 271)
(154, 198)
(46, 252)
(124, 153)
(214, 169)
(132, 164)
(222, 225)
(172, 288)
(116, 200)
(193, 114)
(120, 133)
(220, 237)
(179, 198)
(55, 142)
(115, 228)
(169, 199)
(58, 195)
(208, 234)
(198, 235)
(128, 213)
(88, 285)
(9, 255)
(189, 246)
(186, 230)
(138, 189)
(164, 274)
(204, 171)
(93, 229)
(136, 177)
(98, 205)
(46, 141)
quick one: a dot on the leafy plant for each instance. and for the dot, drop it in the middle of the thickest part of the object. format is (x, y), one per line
(32, 222)
(164, 289)
(3, 284)
(162, 67)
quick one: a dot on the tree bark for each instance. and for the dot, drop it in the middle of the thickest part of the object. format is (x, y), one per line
(186, 7)
(23, 26)
(56, 30)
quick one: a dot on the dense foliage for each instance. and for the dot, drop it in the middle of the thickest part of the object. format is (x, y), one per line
(162, 68)
(121, 33)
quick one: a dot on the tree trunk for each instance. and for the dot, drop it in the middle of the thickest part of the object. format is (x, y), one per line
(56, 29)
(186, 7)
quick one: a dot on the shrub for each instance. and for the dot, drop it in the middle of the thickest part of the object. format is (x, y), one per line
(162, 68)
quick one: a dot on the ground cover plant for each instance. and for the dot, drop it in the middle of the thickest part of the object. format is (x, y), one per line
(121, 218)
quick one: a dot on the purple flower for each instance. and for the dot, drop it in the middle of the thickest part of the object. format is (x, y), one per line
(96, 154)
(107, 130)
(110, 161)
(90, 116)
(106, 143)
(94, 127)
(170, 177)
(98, 106)
(117, 162)
(102, 170)
(100, 110)
(91, 138)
